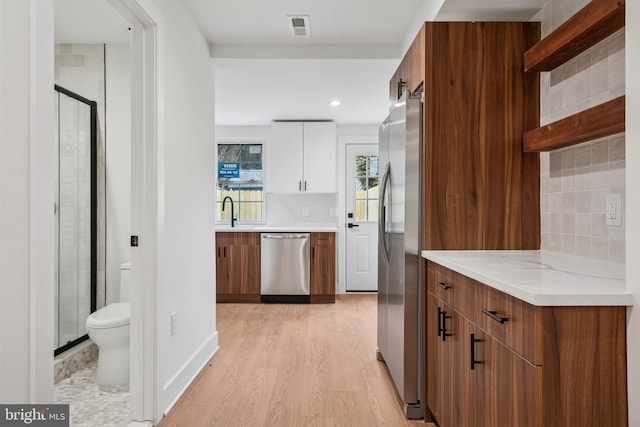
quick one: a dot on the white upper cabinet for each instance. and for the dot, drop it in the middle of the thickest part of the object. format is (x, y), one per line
(302, 157)
(284, 157)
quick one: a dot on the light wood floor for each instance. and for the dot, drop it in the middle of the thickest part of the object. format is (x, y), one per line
(294, 365)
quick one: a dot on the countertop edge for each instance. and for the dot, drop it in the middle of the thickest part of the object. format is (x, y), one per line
(276, 229)
(539, 298)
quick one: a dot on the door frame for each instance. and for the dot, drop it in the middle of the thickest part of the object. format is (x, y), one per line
(147, 180)
(352, 150)
(343, 141)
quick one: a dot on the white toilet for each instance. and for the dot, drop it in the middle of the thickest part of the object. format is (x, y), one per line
(109, 329)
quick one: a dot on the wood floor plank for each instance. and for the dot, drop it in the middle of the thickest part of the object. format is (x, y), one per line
(294, 365)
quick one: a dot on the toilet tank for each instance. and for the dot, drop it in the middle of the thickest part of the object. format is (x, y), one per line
(125, 282)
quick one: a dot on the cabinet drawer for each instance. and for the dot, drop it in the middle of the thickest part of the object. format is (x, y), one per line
(509, 320)
(453, 288)
(323, 239)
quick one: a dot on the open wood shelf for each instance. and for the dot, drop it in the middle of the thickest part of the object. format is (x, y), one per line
(592, 24)
(596, 122)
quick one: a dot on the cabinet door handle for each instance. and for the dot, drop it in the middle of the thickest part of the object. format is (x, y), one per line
(472, 343)
(299, 185)
(443, 285)
(494, 316)
(444, 325)
(305, 185)
(439, 322)
(224, 250)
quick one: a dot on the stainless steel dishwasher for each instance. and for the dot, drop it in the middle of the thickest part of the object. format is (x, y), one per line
(285, 267)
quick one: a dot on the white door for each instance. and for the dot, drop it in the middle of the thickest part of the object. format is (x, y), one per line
(362, 217)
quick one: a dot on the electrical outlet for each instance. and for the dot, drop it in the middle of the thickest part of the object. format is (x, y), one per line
(613, 209)
(174, 323)
(305, 211)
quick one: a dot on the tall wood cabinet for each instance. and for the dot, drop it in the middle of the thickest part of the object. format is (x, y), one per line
(480, 190)
(410, 73)
(238, 267)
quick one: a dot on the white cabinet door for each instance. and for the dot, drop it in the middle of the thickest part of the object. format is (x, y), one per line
(284, 154)
(320, 157)
(302, 157)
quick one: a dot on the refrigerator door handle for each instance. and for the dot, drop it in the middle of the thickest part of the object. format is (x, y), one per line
(382, 215)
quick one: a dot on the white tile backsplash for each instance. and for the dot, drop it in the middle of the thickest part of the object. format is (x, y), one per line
(307, 209)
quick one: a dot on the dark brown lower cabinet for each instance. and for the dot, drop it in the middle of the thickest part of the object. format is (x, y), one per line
(506, 385)
(436, 380)
(496, 361)
(452, 386)
(323, 268)
(238, 267)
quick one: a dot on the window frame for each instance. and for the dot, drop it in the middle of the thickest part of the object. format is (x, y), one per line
(367, 178)
(231, 140)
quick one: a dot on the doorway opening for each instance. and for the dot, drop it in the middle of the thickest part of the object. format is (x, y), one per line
(361, 204)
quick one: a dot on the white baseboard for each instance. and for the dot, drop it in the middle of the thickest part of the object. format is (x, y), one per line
(177, 385)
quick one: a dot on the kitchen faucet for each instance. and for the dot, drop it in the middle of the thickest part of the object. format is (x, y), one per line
(224, 201)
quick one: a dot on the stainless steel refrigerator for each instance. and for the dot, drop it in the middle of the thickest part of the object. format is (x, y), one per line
(399, 246)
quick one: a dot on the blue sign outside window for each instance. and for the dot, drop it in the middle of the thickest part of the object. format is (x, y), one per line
(229, 170)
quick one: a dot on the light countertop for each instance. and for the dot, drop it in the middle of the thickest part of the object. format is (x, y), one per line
(277, 229)
(540, 277)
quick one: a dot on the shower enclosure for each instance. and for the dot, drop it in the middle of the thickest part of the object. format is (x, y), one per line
(75, 211)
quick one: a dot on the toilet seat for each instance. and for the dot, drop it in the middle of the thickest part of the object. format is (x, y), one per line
(111, 316)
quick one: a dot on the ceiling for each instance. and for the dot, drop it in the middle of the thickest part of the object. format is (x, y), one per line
(263, 73)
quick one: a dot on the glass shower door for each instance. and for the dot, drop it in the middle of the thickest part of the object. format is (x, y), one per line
(74, 210)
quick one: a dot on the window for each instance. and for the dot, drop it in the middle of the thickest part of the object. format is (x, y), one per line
(366, 188)
(241, 177)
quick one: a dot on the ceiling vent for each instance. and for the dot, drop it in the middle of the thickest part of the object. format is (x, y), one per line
(299, 25)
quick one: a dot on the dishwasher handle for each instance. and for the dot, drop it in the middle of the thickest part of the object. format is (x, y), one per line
(281, 236)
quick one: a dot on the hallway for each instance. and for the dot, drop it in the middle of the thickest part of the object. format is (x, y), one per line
(293, 365)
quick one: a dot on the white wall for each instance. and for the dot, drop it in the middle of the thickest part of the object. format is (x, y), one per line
(186, 265)
(26, 195)
(358, 130)
(633, 205)
(118, 164)
(243, 131)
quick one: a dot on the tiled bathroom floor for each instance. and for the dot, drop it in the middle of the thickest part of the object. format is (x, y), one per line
(89, 406)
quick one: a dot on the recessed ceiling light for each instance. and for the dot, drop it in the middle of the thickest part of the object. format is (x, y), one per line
(334, 103)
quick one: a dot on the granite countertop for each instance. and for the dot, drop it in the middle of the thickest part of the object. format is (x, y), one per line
(540, 277)
(277, 228)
